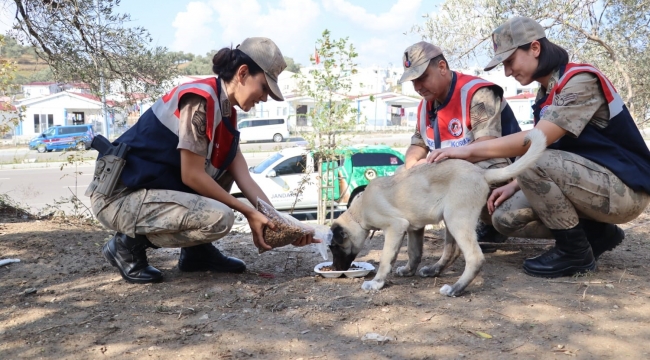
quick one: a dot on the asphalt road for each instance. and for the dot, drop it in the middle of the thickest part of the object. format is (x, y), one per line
(22, 154)
(48, 186)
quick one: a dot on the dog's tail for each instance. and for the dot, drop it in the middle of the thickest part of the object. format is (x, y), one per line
(537, 146)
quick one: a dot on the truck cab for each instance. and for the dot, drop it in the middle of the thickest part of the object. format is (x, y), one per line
(290, 178)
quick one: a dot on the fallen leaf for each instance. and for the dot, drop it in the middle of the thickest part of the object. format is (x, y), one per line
(480, 334)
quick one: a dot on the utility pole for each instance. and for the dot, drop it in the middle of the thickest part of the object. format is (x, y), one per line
(102, 90)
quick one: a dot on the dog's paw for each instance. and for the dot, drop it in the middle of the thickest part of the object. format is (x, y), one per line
(430, 271)
(404, 271)
(447, 290)
(372, 285)
(452, 291)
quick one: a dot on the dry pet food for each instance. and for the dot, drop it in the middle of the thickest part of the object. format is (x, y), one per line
(287, 228)
(329, 268)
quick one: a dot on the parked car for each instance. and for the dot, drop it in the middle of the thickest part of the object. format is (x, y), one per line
(276, 129)
(63, 138)
(281, 175)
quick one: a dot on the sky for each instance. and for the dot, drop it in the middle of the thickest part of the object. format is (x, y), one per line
(379, 29)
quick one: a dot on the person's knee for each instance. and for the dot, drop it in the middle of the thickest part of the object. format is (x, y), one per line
(503, 224)
(223, 224)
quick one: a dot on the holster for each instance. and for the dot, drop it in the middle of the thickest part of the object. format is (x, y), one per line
(108, 168)
(107, 173)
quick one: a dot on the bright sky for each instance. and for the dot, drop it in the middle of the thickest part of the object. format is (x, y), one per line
(379, 29)
(376, 27)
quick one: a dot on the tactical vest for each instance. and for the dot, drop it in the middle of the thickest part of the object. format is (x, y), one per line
(454, 126)
(154, 162)
(619, 147)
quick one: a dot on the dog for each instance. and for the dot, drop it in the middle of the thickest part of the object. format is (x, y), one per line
(454, 191)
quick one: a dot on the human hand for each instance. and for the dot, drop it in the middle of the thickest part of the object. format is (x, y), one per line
(501, 194)
(257, 222)
(305, 240)
(438, 155)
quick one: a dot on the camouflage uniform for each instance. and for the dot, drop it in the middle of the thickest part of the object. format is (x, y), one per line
(564, 186)
(170, 218)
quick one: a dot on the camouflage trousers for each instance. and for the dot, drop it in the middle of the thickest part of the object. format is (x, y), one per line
(561, 188)
(168, 218)
(491, 164)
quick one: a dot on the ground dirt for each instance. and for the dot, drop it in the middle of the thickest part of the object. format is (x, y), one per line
(280, 309)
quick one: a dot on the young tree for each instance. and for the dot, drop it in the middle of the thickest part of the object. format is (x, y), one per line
(85, 40)
(333, 114)
(292, 65)
(614, 35)
(9, 116)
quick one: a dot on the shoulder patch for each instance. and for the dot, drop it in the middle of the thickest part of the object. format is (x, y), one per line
(564, 99)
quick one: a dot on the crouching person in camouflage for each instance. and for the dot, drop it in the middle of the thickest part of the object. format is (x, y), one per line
(595, 172)
(183, 156)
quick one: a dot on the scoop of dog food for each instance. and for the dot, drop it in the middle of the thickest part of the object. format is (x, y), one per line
(329, 268)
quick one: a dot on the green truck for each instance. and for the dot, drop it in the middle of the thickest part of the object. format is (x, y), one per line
(283, 174)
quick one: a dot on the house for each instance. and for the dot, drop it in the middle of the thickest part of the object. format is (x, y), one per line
(61, 108)
(521, 106)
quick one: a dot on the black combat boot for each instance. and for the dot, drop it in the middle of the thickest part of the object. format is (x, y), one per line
(206, 257)
(602, 236)
(129, 255)
(571, 255)
(488, 234)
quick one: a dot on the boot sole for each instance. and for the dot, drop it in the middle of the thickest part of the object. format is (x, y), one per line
(573, 270)
(108, 255)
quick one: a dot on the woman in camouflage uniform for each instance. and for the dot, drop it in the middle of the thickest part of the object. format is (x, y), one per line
(184, 156)
(595, 172)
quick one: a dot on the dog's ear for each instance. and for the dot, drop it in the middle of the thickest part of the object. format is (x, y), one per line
(339, 234)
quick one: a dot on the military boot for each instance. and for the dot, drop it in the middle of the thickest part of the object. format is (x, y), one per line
(571, 255)
(129, 256)
(206, 257)
(488, 234)
(602, 236)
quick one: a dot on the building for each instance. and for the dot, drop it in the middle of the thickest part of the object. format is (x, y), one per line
(61, 108)
(521, 106)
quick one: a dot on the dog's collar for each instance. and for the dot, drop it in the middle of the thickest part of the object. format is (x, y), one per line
(359, 223)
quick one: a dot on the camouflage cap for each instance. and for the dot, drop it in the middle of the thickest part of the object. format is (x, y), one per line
(416, 59)
(266, 55)
(512, 34)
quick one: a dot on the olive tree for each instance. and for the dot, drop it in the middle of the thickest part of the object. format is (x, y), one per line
(613, 35)
(87, 41)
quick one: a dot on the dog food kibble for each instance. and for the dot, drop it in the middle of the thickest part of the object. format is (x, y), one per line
(329, 268)
(287, 229)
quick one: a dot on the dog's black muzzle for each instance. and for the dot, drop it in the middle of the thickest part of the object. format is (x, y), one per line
(342, 260)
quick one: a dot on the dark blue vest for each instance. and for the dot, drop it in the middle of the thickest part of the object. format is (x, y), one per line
(619, 147)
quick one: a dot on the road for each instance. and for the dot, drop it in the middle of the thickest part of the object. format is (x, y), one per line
(17, 155)
(41, 187)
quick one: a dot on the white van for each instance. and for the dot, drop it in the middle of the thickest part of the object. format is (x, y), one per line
(276, 129)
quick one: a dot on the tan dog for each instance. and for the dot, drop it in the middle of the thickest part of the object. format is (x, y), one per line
(452, 190)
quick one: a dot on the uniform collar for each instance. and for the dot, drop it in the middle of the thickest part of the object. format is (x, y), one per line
(555, 77)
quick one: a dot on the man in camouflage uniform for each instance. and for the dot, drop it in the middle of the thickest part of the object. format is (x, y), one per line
(457, 110)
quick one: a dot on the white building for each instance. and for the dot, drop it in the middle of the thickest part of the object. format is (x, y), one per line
(521, 106)
(62, 108)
